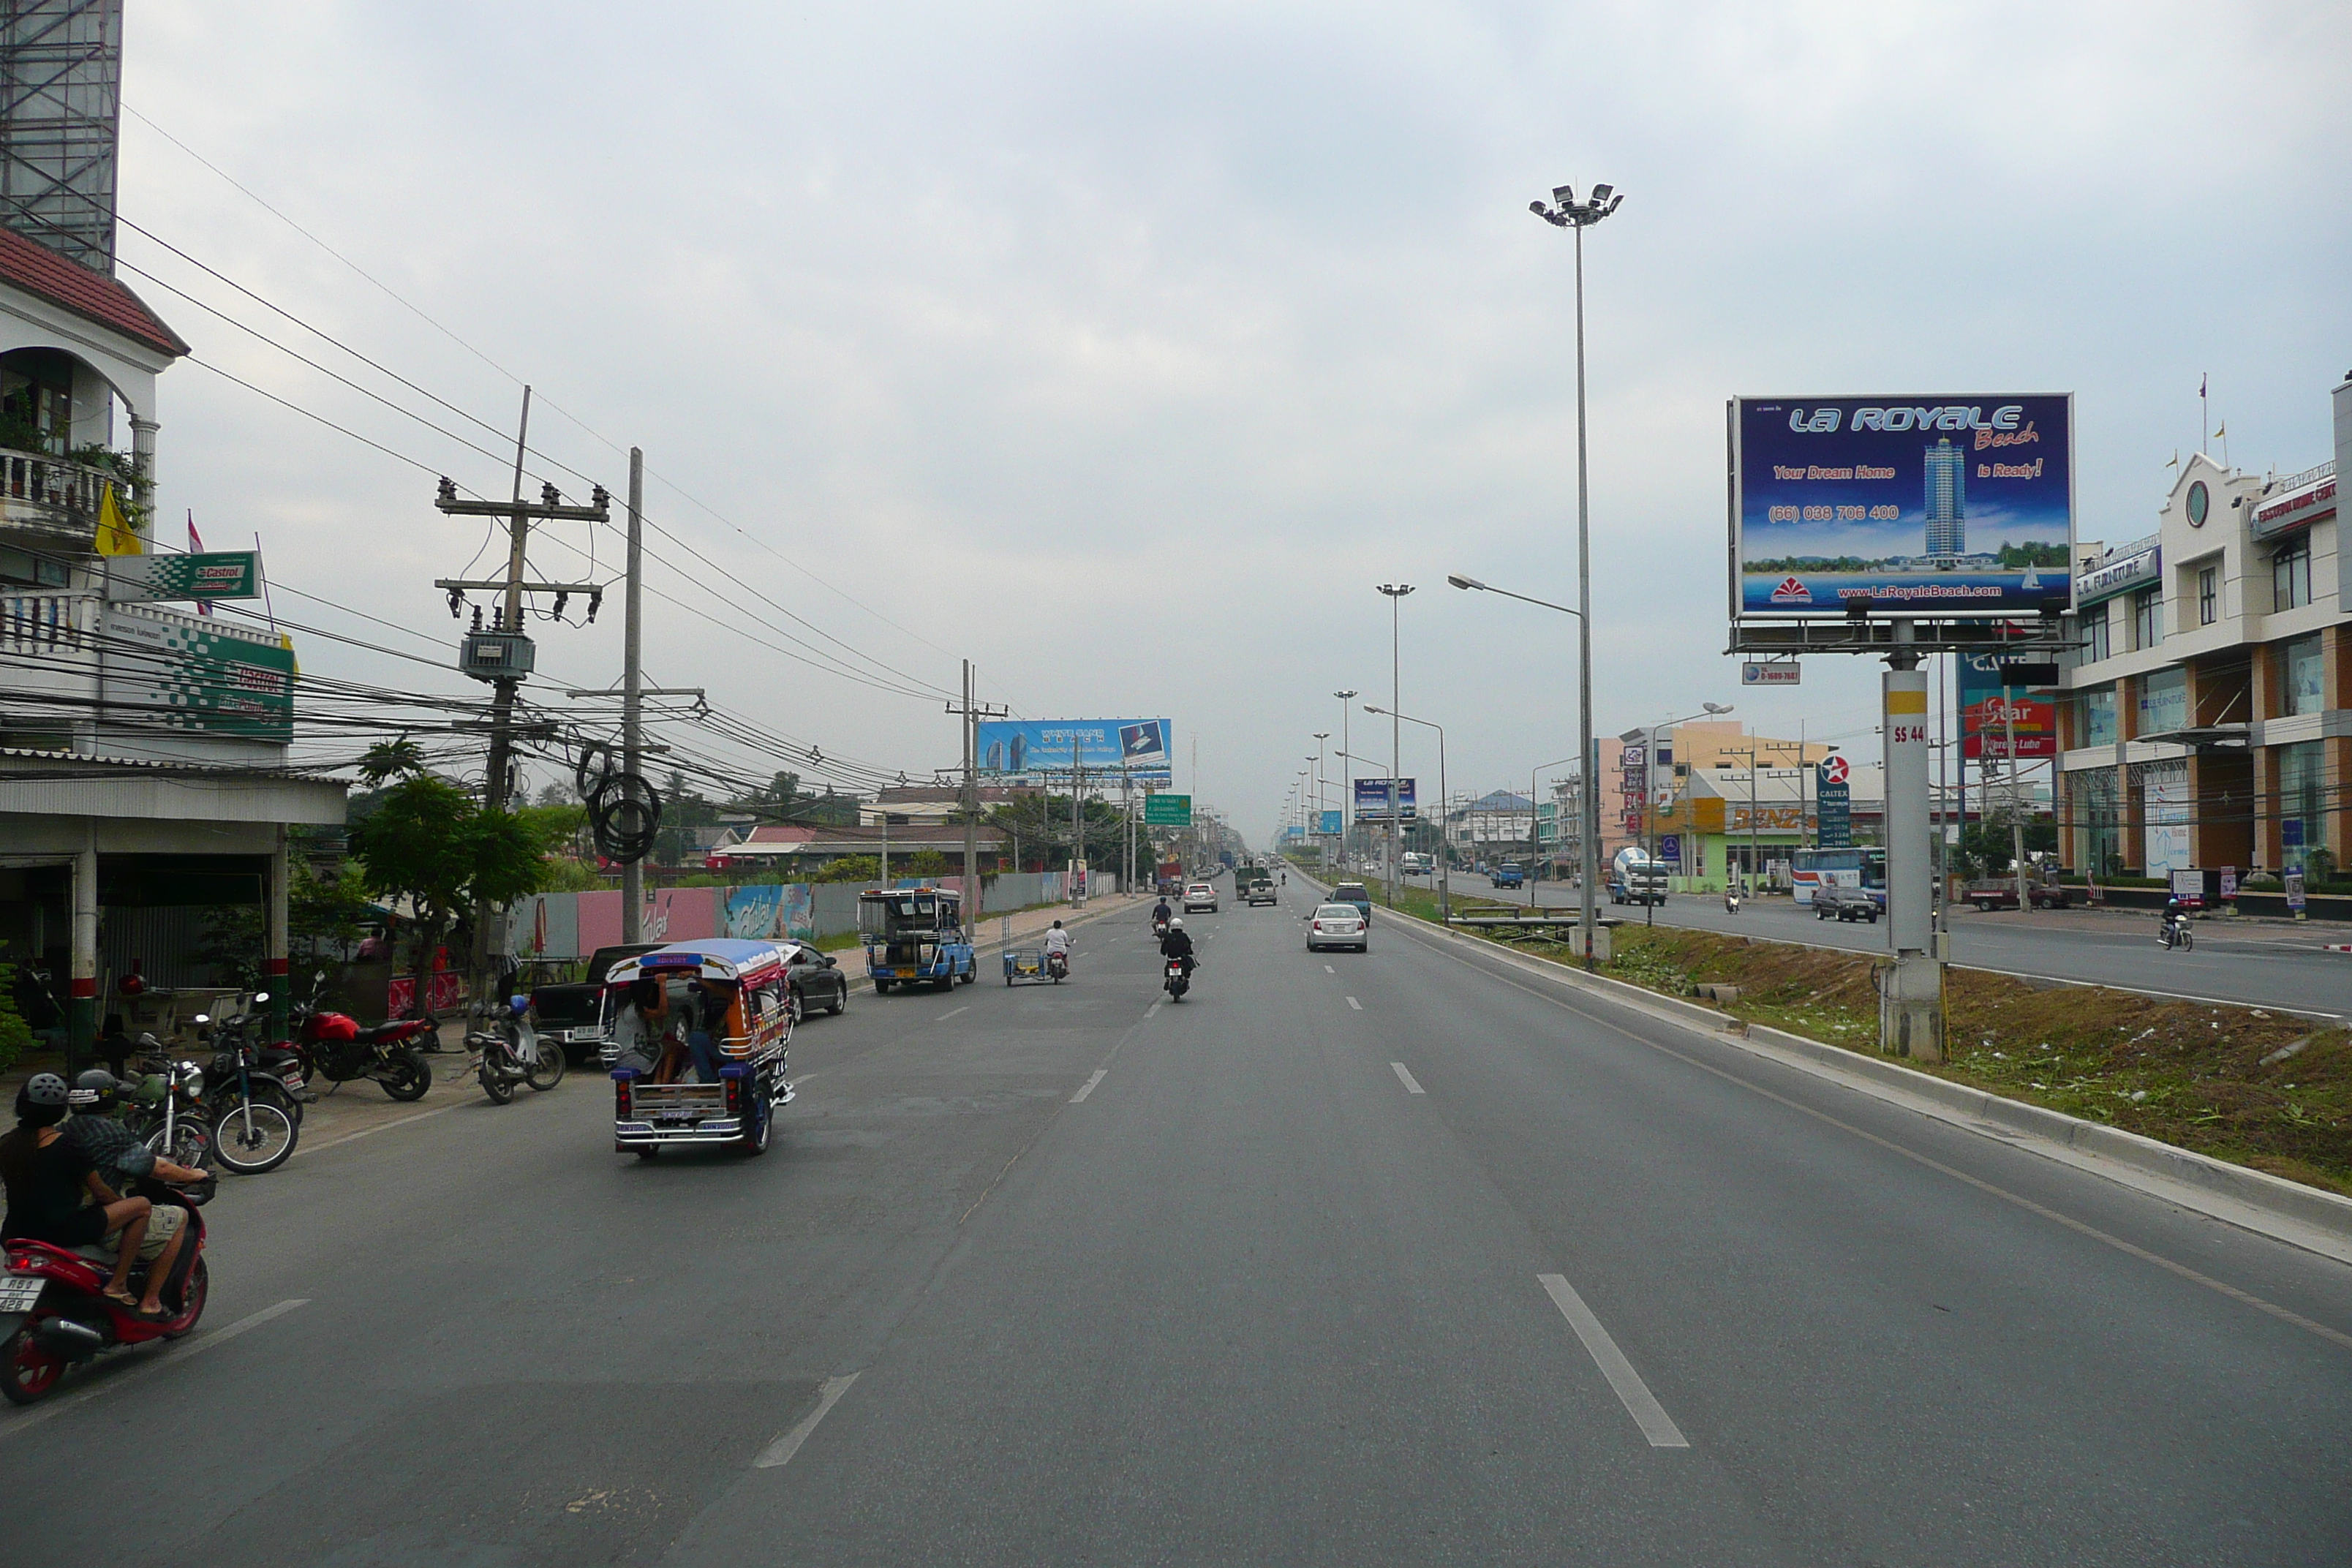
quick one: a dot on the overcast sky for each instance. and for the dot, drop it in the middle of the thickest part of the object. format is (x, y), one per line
(1124, 348)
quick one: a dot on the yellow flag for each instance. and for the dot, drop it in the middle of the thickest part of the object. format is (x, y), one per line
(115, 534)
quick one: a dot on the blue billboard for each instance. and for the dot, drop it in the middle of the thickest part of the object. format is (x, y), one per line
(1939, 505)
(1329, 822)
(1372, 800)
(1044, 749)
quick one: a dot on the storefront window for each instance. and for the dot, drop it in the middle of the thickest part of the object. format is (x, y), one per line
(2091, 806)
(2209, 596)
(2164, 702)
(2301, 801)
(2094, 717)
(2301, 670)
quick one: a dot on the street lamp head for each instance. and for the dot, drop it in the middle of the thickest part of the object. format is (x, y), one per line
(1396, 590)
(1459, 581)
(1343, 696)
(1370, 709)
(1717, 707)
(1565, 194)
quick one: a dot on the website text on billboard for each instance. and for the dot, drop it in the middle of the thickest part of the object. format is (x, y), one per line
(1943, 506)
(1045, 749)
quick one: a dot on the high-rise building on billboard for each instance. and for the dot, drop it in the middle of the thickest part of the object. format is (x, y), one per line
(1947, 501)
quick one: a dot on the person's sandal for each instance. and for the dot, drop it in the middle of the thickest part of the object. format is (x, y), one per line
(121, 1298)
(155, 1314)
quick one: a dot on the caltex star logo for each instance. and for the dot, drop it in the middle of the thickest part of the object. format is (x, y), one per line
(1790, 591)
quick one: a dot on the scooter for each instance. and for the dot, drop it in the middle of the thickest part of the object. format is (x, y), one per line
(1177, 981)
(55, 1313)
(1731, 901)
(2174, 935)
(508, 1053)
(1057, 965)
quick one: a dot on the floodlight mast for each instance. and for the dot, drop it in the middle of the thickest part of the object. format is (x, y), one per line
(1568, 213)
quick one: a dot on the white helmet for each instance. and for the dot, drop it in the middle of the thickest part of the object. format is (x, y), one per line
(1175, 923)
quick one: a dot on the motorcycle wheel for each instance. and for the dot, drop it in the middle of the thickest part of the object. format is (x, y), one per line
(2188, 941)
(252, 1136)
(498, 1087)
(412, 1074)
(194, 1295)
(192, 1145)
(550, 1071)
(29, 1373)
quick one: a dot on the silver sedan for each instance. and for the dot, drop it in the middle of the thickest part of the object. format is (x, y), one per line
(1338, 925)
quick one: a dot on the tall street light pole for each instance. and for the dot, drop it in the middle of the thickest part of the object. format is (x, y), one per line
(1322, 840)
(1567, 212)
(1445, 882)
(1348, 782)
(1588, 809)
(1396, 593)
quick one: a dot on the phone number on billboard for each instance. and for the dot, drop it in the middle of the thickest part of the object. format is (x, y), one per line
(1833, 514)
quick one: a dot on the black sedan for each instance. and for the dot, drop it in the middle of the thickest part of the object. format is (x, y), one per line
(817, 980)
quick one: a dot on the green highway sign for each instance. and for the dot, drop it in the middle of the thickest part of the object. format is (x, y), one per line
(1168, 811)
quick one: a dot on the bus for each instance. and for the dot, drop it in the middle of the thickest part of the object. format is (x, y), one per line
(1858, 868)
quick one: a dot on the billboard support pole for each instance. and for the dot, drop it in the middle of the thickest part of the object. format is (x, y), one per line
(1911, 989)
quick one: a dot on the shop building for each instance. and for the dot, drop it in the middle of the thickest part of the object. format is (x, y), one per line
(2206, 720)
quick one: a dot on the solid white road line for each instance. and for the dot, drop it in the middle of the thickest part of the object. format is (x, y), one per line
(195, 1344)
(965, 1008)
(1358, 1006)
(1100, 1074)
(379, 1127)
(1640, 1404)
(780, 1452)
(1406, 1078)
(1154, 1008)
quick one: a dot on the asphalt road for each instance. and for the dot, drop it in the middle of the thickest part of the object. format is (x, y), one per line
(2263, 963)
(1401, 1257)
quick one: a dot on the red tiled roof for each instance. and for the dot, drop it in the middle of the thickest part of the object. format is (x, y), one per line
(40, 270)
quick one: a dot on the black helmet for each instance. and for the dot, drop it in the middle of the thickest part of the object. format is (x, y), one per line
(94, 1090)
(45, 1089)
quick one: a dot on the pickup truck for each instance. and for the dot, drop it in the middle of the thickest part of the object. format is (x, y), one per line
(1845, 904)
(1508, 875)
(2000, 893)
(571, 1014)
(1256, 887)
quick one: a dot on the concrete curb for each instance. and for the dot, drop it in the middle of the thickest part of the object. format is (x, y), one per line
(2303, 1216)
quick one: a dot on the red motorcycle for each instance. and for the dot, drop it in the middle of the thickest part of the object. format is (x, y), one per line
(333, 1045)
(55, 1313)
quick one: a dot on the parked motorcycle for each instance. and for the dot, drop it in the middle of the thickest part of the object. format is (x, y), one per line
(55, 1313)
(333, 1047)
(166, 1111)
(1177, 982)
(256, 1119)
(508, 1053)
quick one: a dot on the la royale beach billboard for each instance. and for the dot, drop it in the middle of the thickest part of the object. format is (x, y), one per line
(1938, 506)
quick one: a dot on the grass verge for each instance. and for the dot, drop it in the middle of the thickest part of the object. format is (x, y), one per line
(2259, 1088)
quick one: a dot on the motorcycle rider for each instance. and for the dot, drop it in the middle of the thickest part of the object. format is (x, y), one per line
(1178, 943)
(121, 1159)
(2176, 915)
(1057, 944)
(48, 1178)
(1161, 914)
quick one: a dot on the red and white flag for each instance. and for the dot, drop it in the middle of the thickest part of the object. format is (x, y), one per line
(196, 547)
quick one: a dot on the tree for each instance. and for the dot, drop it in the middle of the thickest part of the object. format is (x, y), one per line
(330, 910)
(430, 843)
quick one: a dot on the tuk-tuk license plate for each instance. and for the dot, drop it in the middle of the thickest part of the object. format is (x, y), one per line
(19, 1291)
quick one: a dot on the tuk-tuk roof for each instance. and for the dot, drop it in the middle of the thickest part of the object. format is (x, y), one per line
(718, 958)
(879, 894)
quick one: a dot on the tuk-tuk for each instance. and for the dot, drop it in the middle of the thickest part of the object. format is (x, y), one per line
(915, 936)
(657, 1098)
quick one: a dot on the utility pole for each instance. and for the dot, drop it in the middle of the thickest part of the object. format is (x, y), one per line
(972, 715)
(504, 655)
(634, 692)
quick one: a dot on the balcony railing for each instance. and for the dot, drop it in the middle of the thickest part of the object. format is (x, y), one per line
(53, 494)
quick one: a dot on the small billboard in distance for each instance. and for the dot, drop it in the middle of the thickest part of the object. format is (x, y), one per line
(1041, 750)
(1372, 800)
(1932, 506)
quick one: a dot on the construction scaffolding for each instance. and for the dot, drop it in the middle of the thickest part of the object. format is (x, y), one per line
(61, 108)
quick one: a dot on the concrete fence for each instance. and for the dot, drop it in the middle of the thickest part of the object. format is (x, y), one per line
(573, 925)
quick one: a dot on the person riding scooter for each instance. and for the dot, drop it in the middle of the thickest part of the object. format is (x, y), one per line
(1178, 943)
(1058, 949)
(48, 1179)
(1160, 915)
